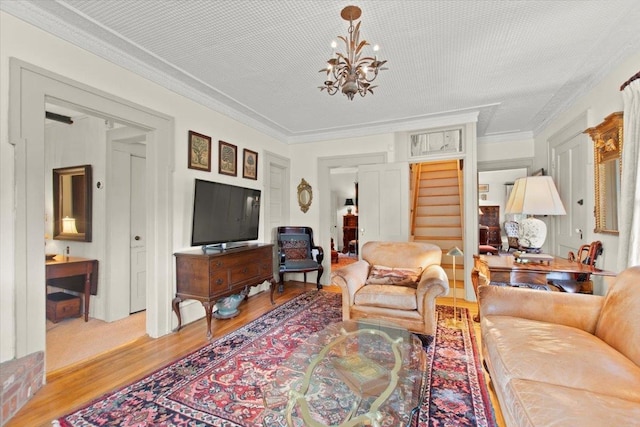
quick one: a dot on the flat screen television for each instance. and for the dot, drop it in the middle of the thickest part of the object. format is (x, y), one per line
(224, 213)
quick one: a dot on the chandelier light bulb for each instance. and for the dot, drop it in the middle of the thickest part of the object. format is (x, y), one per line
(351, 72)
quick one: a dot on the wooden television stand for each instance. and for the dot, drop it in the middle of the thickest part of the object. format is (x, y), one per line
(212, 275)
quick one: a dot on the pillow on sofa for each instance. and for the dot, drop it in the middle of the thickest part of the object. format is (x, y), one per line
(382, 275)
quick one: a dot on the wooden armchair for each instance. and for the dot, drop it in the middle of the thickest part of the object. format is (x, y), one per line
(396, 282)
(582, 283)
(298, 254)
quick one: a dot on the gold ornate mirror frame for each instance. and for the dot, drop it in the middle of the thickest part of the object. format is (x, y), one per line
(305, 195)
(607, 160)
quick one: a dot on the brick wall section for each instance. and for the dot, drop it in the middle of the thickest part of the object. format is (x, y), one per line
(20, 379)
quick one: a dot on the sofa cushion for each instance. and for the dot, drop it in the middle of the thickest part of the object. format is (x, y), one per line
(382, 275)
(618, 323)
(556, 354)
(387, 296)
(532, 403)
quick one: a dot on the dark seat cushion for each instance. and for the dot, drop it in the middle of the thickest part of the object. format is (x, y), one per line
(300, 264)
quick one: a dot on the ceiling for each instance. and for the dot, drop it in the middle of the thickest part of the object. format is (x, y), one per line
(516, 63)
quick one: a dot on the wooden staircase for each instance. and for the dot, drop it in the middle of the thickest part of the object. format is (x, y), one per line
(437, 213)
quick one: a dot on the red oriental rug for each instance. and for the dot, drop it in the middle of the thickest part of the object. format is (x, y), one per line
(220, 384)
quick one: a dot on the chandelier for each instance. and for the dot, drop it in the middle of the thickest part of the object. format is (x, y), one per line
(351, 72)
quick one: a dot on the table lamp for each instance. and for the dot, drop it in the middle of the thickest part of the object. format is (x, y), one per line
(349, 203)
(69, 225)
(534, 195)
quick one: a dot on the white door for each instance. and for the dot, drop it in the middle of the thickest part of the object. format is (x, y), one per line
(127, 219)
(570, 160)
(138, 252)
(383, 202)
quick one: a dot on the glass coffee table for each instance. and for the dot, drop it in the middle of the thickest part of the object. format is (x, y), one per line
(352, 373)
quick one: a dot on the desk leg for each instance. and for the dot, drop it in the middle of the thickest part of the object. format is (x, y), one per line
(176, 309)
(87, 296)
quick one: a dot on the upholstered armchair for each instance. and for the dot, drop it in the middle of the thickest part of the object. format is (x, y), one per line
(297, 253)
(396, 282)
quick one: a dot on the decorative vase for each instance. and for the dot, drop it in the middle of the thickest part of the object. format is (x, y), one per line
(228, 307)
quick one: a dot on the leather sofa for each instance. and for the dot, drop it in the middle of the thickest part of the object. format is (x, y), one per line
(558, 359)
(396, 282)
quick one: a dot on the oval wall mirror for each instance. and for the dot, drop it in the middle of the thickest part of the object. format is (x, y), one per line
(607, 150)
(305, 195)
(72, 200)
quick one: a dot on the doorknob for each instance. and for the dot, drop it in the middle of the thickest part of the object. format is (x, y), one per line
(137, 238)
(579, 230)
(580, 202)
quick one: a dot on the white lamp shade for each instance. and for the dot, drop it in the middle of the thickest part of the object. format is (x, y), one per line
(69, 225)
(535, 195)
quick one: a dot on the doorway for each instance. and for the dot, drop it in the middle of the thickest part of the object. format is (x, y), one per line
(80, 139)
(31, 86)
(325, 165)
(127, 214)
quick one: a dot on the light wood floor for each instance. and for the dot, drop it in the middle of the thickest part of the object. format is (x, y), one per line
(77, 385)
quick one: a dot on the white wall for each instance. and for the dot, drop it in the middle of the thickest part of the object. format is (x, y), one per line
(25, 42)
(601, 101)
(505, 149)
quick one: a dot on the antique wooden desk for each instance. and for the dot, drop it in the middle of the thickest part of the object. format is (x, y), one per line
(62, 267)
(505, 271)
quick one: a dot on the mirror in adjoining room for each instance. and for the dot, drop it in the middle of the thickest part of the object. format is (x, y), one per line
(72, 200)
(607, 146)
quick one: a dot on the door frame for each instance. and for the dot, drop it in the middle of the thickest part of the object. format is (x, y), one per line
(29, 87)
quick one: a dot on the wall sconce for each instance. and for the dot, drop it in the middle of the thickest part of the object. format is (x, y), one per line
(348, 203)
(69, 225)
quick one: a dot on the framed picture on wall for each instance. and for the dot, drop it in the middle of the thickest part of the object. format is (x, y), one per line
(199, 151)
(249, 164)
(227, 158)
(483, 188)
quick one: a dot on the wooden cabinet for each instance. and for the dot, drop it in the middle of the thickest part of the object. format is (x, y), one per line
(491, 218)
(349, 230)
(210, 276)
